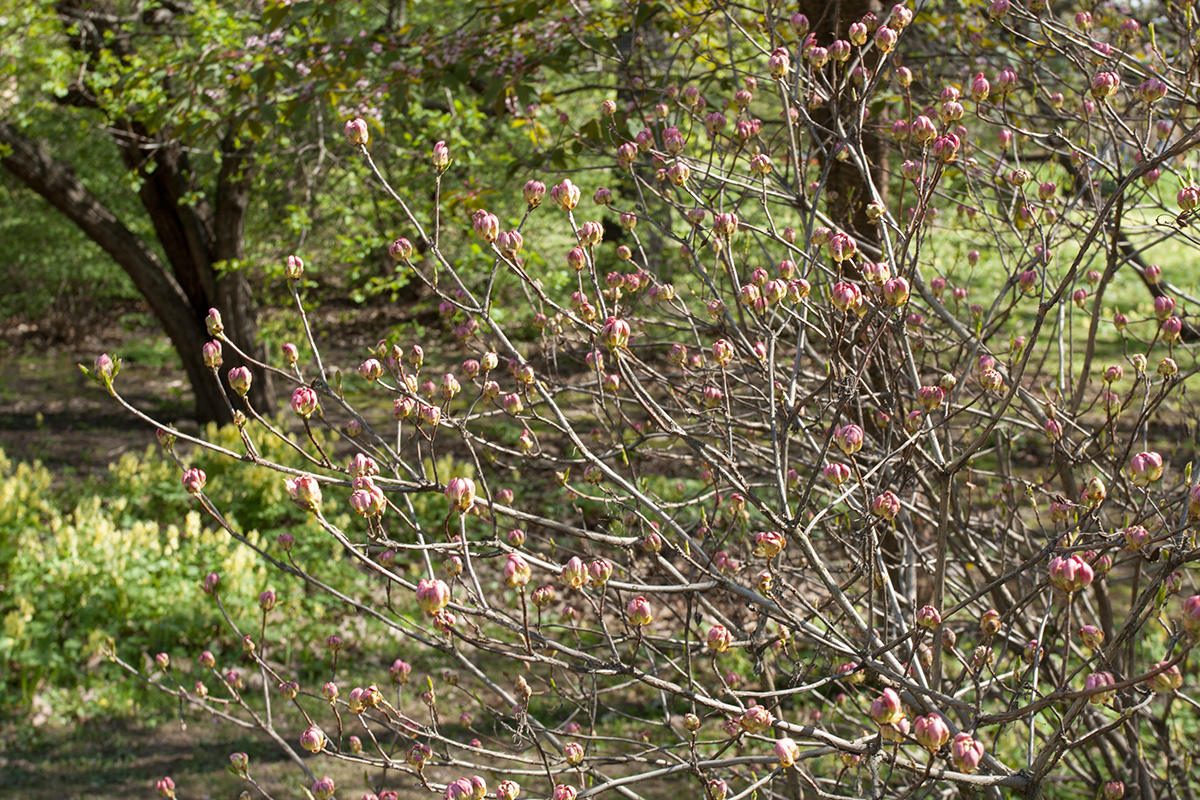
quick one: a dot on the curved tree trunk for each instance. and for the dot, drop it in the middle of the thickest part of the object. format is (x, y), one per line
(179, 296)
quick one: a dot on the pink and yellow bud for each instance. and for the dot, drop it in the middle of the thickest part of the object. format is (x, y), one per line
(461, 494)
(313, 740)
(1097, 686)
(886, 709)
(1091, 637)
(1191, 616)
(836, 473)
(432, 595)
(600, 571)
(304, 491)
(719, 639)
(615, 333)
(1165, 679)
(769, 544)
(194, 480)
(440, 157)
(356, 131)
(1145, 468)
(565, 195)
(931, 732)
(787, 751)
(756, 719)
(638, 612)
(966, 753)
(1070, 574)
(929, 618)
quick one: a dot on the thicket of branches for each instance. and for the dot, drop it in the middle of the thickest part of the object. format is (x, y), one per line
(851, 481)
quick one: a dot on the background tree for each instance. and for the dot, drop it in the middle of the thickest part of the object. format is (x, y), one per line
(209, 102)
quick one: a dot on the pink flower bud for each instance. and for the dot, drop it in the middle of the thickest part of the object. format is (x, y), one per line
(356, 131)
(1105, 84)
(211, 352)
(194, 480)
(787, 751)
(432, 595)
(441, 156)
(886, 38)
(931, 732)
(510, 243)
(239, 380)
(848, 438)
(1145, 468)
(928, 617)
(945, 148)
(1166, 679)
(846, 296)
(487, 225)
(756, 719)
(1171, 328)
(517, 572)
(638, 612)
(769, 544)
(304, 402)
(401, 249)
(615, 334)
(1150, 90)
(304, 492)
(1006, 81)
(313, 740)
(886, 709)
(779, 63)
(930, 397)
(1091, 637)
(980, 88)
(1070, 574)
(1188, 198)
(565, 195)
(1114, 790)
(1096, 683)
(836, 473)
(461, 494)
(923, 129)
(896, 292)
(966, 753)
(718, 639)
(886, 505)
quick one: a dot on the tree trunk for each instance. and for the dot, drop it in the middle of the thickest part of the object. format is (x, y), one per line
(181, 296)
(846, 189)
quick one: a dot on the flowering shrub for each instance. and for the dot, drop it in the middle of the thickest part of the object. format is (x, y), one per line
(846, 470)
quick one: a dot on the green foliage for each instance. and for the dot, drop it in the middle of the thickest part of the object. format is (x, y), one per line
(121, 559)
(77, 576)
